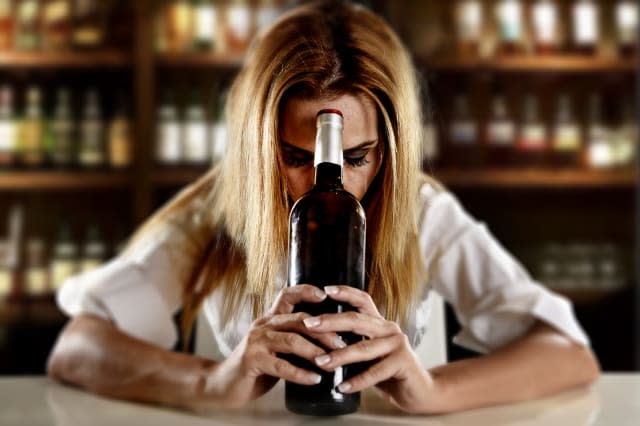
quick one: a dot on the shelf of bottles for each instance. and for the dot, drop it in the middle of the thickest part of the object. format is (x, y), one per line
(539, 35)
(565, 127)
(34, 262)
(581, 270)
(191, 131)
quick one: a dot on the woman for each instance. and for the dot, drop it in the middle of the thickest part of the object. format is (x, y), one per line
(221, 245)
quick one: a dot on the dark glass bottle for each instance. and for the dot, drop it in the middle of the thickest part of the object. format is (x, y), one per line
(326, 247)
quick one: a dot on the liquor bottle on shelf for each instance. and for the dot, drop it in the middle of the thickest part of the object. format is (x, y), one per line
(468, 19)
(120, 144)
(179, 26)
(15, 252)
(64, 258)
(626, 135)
(7, 22)
(626, 16)
(62, 131)
(28, 16)
(533, 140)
(92, 152)
(89, 23)
(8, 128)
(56, 24)
(5, 273)
(267, 11)
(545, 26)
(509, 17)
(238, 26)
(94, 251)
(567, 138)
(586, 26)
(219, 130)
(326, 245)
(463, 146)
(36, 272)
(500, 133)
(205, 25)
(196, 133)
(31, 139)
(169, 147)
(600, 153)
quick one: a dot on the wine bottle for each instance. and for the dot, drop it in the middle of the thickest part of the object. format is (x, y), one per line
(326, 247)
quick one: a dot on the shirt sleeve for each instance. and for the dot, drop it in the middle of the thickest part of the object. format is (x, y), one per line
(139, 291)
(493, 296)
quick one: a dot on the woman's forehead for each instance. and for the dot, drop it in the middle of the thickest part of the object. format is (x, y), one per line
(298, 119)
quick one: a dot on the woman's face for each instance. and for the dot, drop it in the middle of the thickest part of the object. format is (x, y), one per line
(361, 142)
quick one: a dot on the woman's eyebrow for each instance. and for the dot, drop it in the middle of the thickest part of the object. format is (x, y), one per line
(363, 145)
(294, 148)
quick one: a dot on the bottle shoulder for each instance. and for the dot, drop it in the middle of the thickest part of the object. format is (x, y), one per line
(335, 198)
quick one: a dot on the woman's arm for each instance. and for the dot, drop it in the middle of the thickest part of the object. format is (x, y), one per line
(540, 363)
(93, 354)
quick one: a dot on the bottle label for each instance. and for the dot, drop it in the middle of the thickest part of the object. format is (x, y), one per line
(627, 22)
(7, 136)
(501, 133)
(169, 150)
(219, 141)
(469, 20)
(196, 143)
(510, 20)
(266, 16)
(599, 154)
(89, 265)
(5, 282)
(56, 11)
(533, 137)
(585, 24)
(463, 133)
(567, 138)
(544, 22)
(205, 23)
(61, 269)
(37, 281)
(239, 21)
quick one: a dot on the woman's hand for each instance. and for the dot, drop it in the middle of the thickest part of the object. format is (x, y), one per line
(396, 371)
(254, 366)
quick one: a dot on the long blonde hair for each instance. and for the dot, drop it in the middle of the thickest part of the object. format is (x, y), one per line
(321, 49)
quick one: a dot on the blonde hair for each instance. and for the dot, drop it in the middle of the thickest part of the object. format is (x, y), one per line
(323, 49)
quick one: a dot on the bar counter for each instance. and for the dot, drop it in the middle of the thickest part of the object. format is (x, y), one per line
(38, 401)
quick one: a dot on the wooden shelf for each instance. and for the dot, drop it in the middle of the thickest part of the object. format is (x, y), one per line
(536, 178)
(534, 64)
(64, 180)
(177, 176)
(70, 59)
(200, 60)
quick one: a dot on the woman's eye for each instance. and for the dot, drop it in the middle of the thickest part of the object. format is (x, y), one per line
(296, 161)
(357, 161)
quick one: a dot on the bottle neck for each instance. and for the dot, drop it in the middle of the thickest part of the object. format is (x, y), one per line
(328, 176)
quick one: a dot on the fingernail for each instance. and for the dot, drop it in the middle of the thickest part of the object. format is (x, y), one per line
(319, 294)
(316, 378)
(344, 387)
(339, 343)
(331, 289)
(323, 359)
(311, 322)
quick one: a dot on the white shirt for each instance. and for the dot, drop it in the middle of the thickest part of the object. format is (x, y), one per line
(494, 298)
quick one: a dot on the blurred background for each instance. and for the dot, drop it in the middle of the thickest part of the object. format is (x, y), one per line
(109, 107)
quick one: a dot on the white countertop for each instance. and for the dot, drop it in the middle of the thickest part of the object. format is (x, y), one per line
(35, 401)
